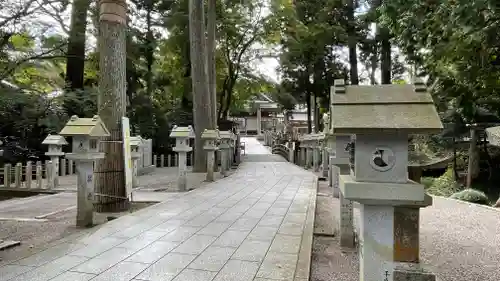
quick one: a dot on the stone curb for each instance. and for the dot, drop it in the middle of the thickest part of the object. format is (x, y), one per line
(468, 203)
(303, 270)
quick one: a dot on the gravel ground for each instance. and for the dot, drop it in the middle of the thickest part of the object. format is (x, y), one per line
(329, 261)
(36, 234)
(459, 241)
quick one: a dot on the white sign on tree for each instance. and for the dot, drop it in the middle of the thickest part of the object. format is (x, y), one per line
(127, 156)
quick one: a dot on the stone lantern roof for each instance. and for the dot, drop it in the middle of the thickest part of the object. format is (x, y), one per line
(92, 127)
(55, 140)
(381, 109)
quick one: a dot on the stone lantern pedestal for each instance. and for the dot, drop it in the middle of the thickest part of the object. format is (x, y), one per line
(225, 147)
(182, 136)
(135, 143)
(55, 144)
(302, 152)
(210, 137)
(309, 151)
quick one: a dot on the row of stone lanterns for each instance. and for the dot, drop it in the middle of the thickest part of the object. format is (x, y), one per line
(87, 133)
(367, 145)
(227, 143)
(215, 140)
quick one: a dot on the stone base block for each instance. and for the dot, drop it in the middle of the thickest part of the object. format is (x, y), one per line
(336, 192)
(403, 274)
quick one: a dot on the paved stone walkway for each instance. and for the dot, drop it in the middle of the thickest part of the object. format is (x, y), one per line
(254, 225)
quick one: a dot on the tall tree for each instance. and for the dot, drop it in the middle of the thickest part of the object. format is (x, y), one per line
(75, 61)
(352, 42)
(211, 51)
(112, 104)
(384, 36)
(201, 97)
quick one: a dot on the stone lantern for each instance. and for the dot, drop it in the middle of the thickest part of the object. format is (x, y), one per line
(234, 140)
(225, 146)
(55, 143)
(304, 150)
(382, 118)
(135, 144)
(210, 137)
(316, 143)
(86, 133)
(182, 136)
(339, 147)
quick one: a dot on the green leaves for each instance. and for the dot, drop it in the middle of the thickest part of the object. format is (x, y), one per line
(455, 41)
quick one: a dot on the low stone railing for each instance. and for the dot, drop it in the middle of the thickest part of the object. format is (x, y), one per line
(30, 175)
(281, 150)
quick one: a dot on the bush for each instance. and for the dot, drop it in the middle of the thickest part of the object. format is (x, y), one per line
(445, 185)
(472, 196)
(427, 182)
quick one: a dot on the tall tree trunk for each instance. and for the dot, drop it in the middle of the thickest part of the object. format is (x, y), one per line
(110, 176)
(385, 53)
(373, 65)
(308, 101)
(187, 96)
(211, 49)
(314, 102)
(473, 163)
(201, 98)
(75, 62)
(352, 42)
(149, 49)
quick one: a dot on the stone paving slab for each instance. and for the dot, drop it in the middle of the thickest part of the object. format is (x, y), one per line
(254, 225)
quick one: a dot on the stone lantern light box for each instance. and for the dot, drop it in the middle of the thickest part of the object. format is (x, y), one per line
(382, 117)
(225, 135)
(182, 136)
(86, 133)
(210, 137)
(55, 143)
(135, 143)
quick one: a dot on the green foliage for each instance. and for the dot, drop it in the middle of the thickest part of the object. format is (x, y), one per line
(472, 196)
(456, 44)
(312, 32)
(445, 185)
(427, 182)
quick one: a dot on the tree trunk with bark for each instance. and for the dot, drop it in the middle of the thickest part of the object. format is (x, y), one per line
(201, 97)
(309, 120)
(112, 102)
(75, 61)
(211, 49)
(352, 42)
(149, 49)
(385, 60)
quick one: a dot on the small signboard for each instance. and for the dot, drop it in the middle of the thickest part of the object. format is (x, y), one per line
(127, 156)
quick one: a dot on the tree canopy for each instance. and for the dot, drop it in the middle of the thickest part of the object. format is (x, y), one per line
(43, 44)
